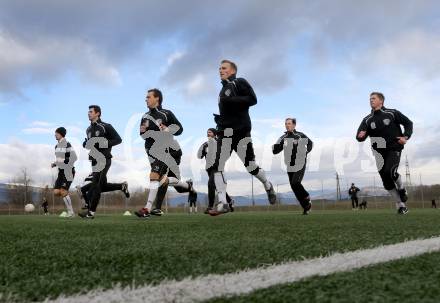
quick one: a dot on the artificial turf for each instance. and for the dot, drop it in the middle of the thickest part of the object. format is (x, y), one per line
(414, 279)
(43, 257)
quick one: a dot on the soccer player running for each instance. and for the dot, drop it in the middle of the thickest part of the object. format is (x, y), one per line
(101, 137)
(203, 153)
(82, 191)
(383, 126)
(157, 128)
(65, 160)
(234, 132)
(296, 146)
(352, 192)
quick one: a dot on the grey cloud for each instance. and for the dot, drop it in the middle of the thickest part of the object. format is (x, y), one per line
(95, 38)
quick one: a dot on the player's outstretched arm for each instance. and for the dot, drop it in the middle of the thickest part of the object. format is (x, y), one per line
(112, 136)
(406, 122)
(362, 132)
(71, 156)
(279, 145)
(177, 124)
(309, 143)
(246, 95)
(201, 153)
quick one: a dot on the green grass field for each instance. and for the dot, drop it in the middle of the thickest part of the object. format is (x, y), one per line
(43, 257)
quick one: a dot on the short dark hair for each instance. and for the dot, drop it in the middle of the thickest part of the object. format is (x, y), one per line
(62, 131)
(380, 95)
(233, 65)
(157, 93)
(213, 130)
(291, 119)
(96, 108)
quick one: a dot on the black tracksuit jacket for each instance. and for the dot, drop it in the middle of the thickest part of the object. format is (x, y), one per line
(385, 123)
(293, 141)
(100, 129)
(235, 98)
(153, 119)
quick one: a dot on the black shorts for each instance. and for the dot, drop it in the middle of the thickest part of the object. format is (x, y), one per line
(162, 169)
(192, 203)
(243, 148)
(61, 181)
(158, 167)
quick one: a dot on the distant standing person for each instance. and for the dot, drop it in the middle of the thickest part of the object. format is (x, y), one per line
(296, 146)
(363, 204)
(433, 204)
(45, 203)
(192, 205)
(383, 126)
(353, 195)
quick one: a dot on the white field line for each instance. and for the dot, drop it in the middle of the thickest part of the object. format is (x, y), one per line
(214, 285)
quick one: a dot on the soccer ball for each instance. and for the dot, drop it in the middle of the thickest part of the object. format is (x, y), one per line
(29, 208)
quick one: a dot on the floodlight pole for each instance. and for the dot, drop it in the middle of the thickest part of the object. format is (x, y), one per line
(252, 186)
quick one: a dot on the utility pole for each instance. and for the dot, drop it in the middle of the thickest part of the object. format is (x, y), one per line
(26, 182)
(407, 173)
(374, 190)
(252, 184)
(338, 188)
(421, 191)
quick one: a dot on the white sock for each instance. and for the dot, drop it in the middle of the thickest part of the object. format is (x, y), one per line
(220, 185)
(262, 177)
(176, 182)
(399, 184)
(68, 203)
(154, 186)
(195, 209)
(393, 192)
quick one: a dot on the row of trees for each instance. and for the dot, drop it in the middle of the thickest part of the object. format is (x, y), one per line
(20, 191)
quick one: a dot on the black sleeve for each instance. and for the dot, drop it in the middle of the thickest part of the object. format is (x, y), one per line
(112, 136)
(201, 153)
(173, 120)
(401, 119)
(86, 138)
(309, 143)
(245, 96)
(279, 145)
(142, 123)
(362, 127)
(67, 154)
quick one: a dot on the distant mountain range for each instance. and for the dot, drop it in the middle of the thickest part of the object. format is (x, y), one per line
(260, 199)
(285, 197)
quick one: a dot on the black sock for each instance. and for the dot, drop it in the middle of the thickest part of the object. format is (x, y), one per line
(161, 192)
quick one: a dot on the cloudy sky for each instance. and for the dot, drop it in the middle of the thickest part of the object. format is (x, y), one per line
(317, 61)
